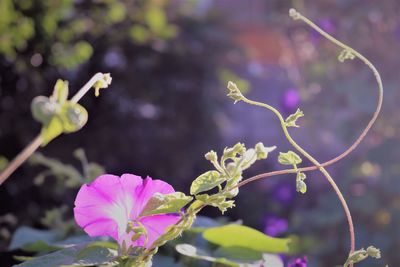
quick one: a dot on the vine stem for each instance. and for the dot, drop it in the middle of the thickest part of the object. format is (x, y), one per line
(297, 16)
(316, 163)
(37, 142)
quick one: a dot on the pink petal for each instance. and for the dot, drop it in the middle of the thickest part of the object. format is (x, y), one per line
(156, 226)
(102, 208)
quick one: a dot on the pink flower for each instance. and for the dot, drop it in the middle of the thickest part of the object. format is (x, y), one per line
(106, 206)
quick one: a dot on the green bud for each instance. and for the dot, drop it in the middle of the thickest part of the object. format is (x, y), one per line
(103, 83)
(234, 92)
(345, 54)
(294, 14)
(211, 156)
(301, 186)
(231, 152)
(374, 252)
(73, 116)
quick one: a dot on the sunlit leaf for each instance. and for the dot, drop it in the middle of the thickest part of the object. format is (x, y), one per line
(292, 119)
(289, 158)
(206, 181)
(234, 235)
(170, 203)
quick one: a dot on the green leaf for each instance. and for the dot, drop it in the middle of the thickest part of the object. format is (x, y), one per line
(234, 235)
(200, 254)
(292, 119)
(289, 158)
(248, 257)
(206, 181)
(161, 204)
(239, 253)
(34, 240)
(81, 255)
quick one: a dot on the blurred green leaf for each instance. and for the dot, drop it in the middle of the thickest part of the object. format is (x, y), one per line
(200, 254)
(33, 240)
(80, 255)
(156, 19)
(116, 12)
(139, 34)
(234, 235)
(249, 257)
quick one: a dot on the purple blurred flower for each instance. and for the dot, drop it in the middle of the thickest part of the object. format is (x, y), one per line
(397, 32)
(275, 226)
(298, 262)
(290, 100)
(284, 193)
(106, 206)
(327, 25)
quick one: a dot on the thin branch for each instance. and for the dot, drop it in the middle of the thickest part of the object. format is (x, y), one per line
(20, 158)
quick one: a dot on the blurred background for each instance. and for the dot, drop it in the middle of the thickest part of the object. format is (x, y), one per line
(170, 61)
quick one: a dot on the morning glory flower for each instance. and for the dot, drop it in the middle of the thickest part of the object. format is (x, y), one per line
(111, 205)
